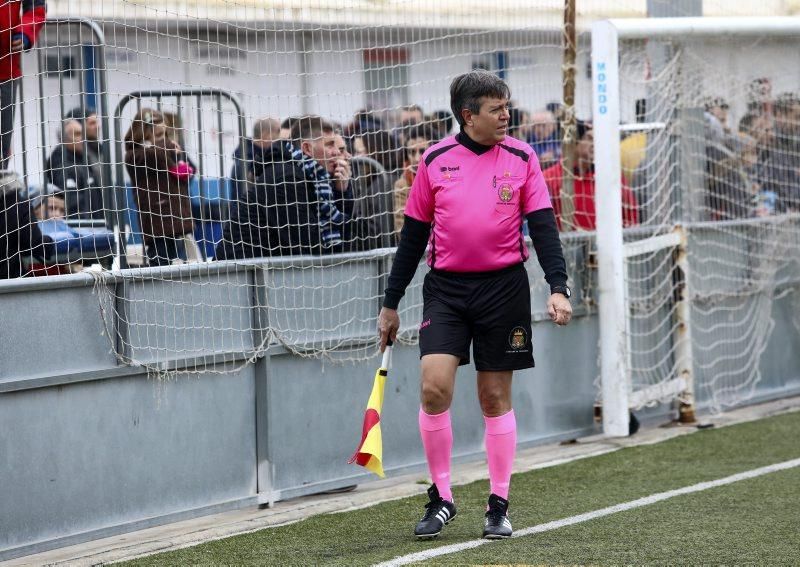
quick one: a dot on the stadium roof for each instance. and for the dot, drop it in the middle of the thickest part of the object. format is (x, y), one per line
(510, 14)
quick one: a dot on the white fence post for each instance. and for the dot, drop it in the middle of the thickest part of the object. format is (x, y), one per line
(608, 198)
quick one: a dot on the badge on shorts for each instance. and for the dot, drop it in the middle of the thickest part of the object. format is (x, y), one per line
(517, 338)
(506, 192)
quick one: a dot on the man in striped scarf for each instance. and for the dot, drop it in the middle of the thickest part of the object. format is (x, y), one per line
(302, 203)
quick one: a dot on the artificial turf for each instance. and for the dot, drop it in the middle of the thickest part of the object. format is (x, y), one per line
(753, 521)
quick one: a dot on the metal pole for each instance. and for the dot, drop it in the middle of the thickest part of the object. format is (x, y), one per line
(21, 112)
(120, 198)
(568, 129)
(200, 174)
(220, 125)
(42, 121)
(614, 369)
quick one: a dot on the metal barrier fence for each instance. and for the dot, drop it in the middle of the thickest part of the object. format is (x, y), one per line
(199, 95)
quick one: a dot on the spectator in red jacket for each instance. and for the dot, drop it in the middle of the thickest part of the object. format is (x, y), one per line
(583, 188)
(20, 22)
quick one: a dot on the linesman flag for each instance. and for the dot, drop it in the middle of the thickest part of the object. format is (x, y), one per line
(370, 451)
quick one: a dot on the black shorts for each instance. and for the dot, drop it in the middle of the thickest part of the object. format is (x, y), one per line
(490, 309)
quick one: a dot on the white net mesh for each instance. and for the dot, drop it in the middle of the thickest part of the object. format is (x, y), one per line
(717, 165)
(160, 145)
(149, 137)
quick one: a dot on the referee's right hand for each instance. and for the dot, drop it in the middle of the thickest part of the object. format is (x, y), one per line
(388, 325)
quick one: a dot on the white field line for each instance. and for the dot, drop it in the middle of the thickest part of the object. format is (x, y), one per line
(646, 501)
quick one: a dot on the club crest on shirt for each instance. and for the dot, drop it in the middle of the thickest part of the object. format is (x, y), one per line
(506, 192)
(517, 339)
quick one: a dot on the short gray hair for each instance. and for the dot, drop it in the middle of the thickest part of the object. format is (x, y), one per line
(266, 128)
(310, 128)
(467, 90)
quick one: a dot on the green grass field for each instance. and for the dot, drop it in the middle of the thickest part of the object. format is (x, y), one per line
(754, 521)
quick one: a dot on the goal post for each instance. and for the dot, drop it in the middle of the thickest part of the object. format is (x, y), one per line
(684, 260)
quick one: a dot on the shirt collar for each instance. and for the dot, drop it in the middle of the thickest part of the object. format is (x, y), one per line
(473, 146)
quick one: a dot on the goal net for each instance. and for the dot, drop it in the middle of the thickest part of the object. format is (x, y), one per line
(712, 159)
(158, 147)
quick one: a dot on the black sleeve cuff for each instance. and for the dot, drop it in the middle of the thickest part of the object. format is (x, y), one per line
(413, 240)
(544, 234)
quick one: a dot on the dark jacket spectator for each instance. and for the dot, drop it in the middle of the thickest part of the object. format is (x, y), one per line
(248, 159)
(20, 237)
(301, 205)
(20, 22)
(733, 185)
(160, 174)
(91, 130)
(71, 169)
(781, 170)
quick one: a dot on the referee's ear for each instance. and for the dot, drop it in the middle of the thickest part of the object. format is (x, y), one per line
(466, 115)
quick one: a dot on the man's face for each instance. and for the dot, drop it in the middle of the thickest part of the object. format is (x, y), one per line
(763, 130)
(265, 137)
(720, 112)
(415, 147)
(92, 127)
(73, 136)
(585, 149)
(411, 117)
(749, 154)
(51, 208)
(544, 125)
(56, 208)
(490, 124)
(324, 150)
(761, 90)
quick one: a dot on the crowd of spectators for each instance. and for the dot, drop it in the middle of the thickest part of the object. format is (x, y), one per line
(752, 168)
(307, 185)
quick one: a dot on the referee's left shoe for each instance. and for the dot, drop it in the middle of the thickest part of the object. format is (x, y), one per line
(497, 525)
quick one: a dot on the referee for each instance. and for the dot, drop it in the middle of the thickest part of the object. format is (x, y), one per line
(468, 201)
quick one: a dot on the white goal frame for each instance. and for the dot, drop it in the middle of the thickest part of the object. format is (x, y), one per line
(617, 398)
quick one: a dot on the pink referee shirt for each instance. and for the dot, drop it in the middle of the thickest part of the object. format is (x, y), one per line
(476, 197)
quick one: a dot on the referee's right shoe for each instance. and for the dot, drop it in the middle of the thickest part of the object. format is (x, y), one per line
(497, 525)
(438, 513)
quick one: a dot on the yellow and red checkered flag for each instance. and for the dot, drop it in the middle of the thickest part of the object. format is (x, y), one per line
(370, 451)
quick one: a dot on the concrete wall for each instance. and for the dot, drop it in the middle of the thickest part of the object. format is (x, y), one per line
(92, 447)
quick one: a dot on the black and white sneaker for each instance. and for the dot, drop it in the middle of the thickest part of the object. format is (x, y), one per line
(497, 525)
(438, 513)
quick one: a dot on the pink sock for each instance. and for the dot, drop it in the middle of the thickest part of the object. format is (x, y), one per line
(437, 438)
(501, 444)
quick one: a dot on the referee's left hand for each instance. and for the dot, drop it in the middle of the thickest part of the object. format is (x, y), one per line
(559, 309)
